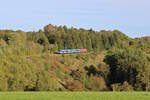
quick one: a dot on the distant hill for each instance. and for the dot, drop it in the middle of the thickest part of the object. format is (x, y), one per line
(146, 38)
(114, 62)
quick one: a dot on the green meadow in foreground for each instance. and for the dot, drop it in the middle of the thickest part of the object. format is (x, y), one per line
(74, 96)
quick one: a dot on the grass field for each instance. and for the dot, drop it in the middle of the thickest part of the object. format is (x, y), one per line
(74, 96)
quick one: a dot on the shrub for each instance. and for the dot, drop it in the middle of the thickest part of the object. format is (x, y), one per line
(116, 87)
(126, 87)
(121, 87)
(75, 85)
(98, 84)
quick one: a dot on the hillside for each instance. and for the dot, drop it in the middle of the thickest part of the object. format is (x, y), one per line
(114, 61)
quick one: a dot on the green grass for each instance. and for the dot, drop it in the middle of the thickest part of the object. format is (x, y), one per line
(74, 96)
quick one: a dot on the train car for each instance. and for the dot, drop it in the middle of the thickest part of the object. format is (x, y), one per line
(65, 51)
(83, 50)
(71, 51)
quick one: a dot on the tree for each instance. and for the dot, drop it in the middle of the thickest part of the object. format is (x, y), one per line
(88, 44)
(128, 65)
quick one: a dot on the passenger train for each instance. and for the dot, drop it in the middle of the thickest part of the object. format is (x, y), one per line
(71, 51)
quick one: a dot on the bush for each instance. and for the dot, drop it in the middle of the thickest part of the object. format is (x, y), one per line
(126, 87)
(98, 84)
(116, 87)
(75, 85)
(121, 87)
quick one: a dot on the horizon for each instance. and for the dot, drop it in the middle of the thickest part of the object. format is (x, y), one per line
(130, 17)
(73, 27)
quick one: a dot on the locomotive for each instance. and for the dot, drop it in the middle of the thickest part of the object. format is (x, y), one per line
(72, 51)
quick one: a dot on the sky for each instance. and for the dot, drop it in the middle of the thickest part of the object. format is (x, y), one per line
(129, 16)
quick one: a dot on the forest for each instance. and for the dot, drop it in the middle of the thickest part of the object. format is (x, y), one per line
(114, 62)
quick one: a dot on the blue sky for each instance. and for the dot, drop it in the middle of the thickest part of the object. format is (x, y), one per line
(130, 16)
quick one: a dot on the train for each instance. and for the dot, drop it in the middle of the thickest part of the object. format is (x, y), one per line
(72, 51)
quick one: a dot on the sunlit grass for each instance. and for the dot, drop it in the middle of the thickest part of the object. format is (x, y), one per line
(74, 96)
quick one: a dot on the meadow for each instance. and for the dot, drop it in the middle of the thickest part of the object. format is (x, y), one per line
(74, 96)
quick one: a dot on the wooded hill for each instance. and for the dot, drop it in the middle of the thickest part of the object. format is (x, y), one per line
(114, 61)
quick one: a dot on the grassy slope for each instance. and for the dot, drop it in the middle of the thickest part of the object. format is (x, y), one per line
(74, 96)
